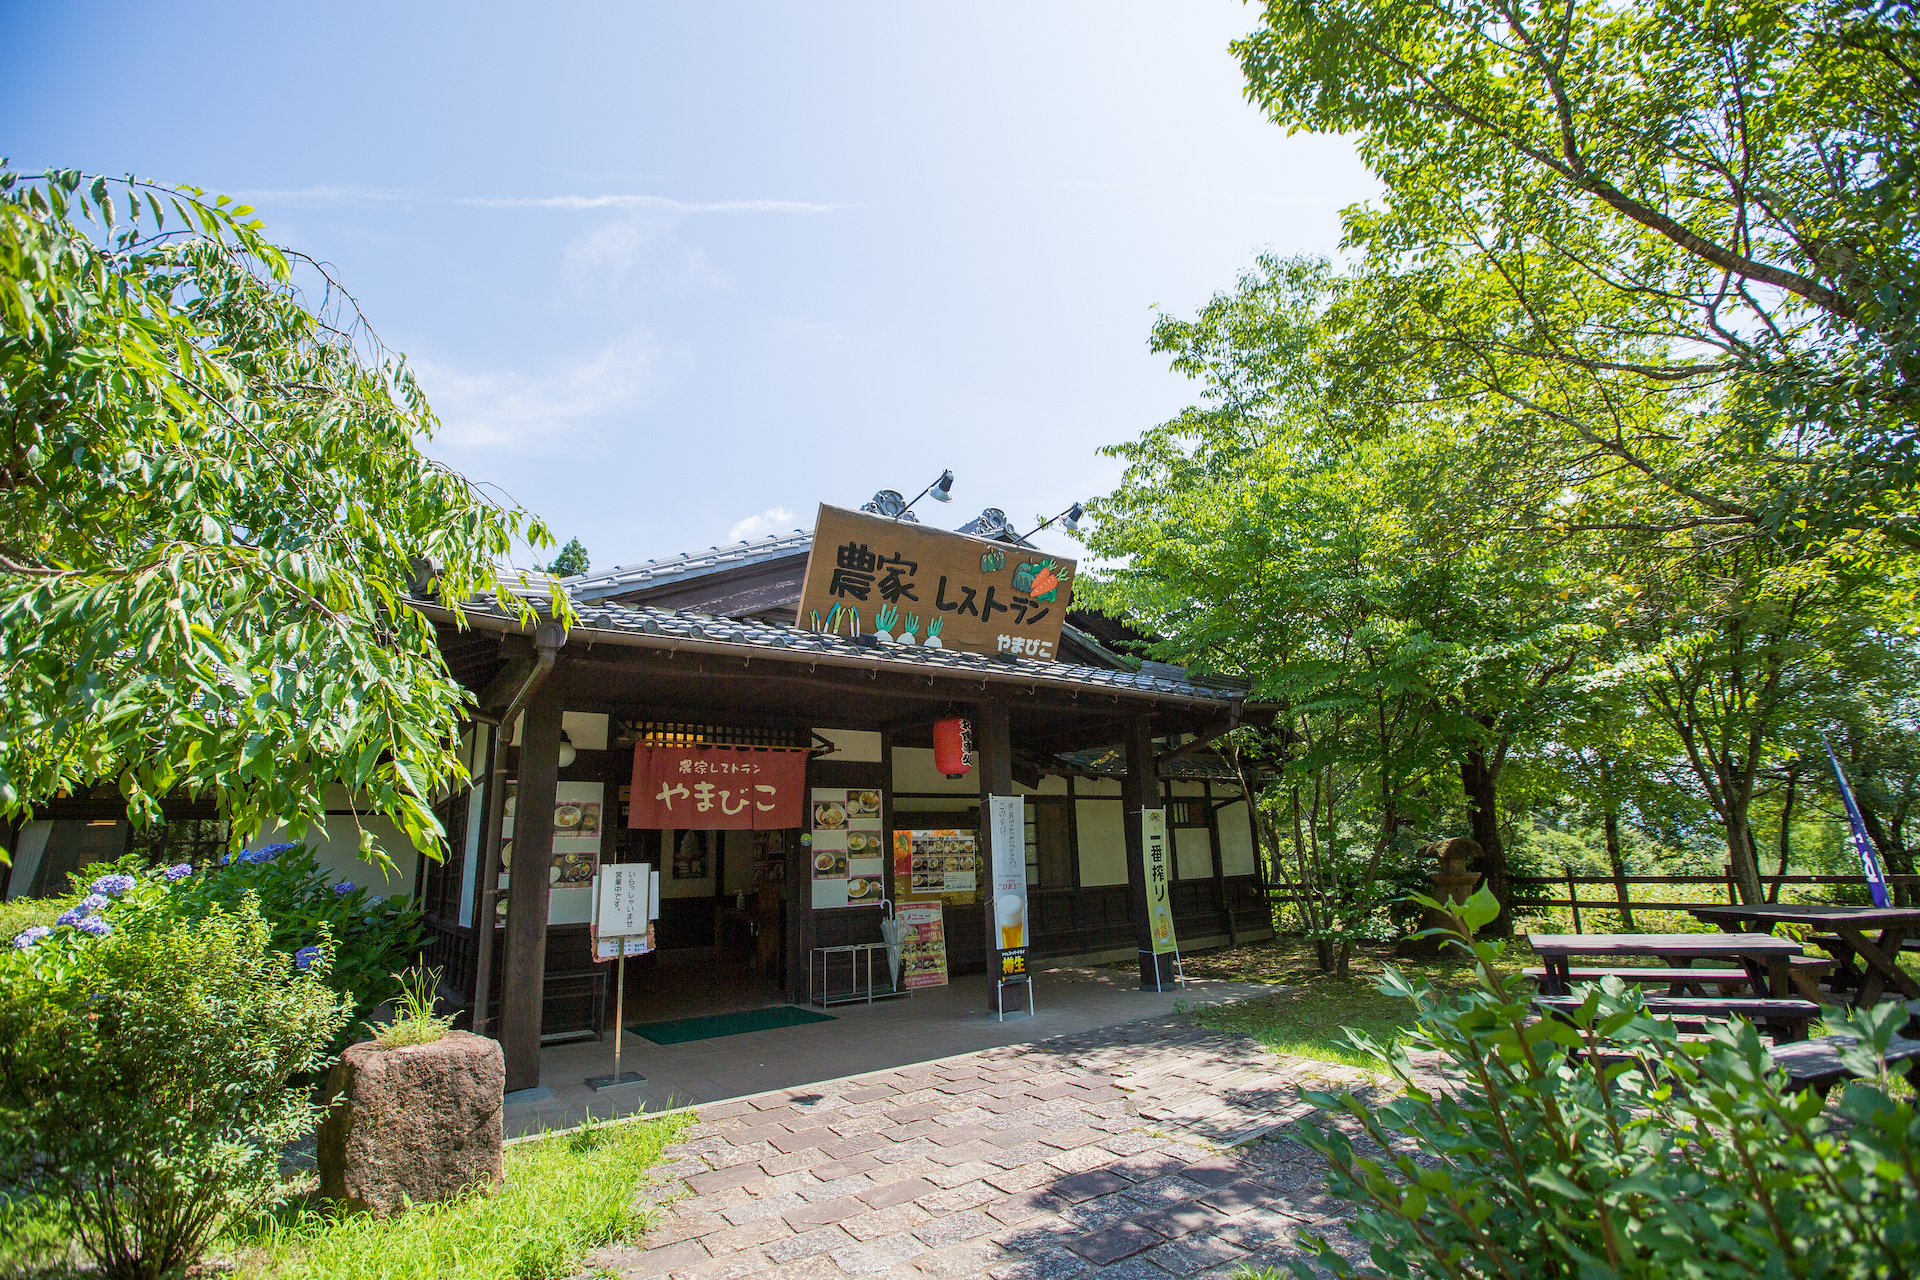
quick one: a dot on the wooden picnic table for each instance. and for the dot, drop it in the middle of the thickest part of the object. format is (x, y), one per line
(1880, 955)
(1767, 959)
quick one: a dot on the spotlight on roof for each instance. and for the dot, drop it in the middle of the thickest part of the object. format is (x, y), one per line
(942, 489)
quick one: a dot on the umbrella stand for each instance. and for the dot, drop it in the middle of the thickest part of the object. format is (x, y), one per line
(890, 933)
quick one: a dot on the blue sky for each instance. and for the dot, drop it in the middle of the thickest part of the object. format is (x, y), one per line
(668, 271)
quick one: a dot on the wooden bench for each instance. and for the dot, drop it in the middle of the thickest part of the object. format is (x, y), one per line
(1787, 1019)
(1816, 1064)
(1805, 973)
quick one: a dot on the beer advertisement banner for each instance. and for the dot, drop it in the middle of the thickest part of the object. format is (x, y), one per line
(1007, 821)
(906, 584)
(1153, 823)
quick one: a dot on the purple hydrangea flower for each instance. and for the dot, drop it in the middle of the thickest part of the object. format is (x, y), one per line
(113, 886)
(305, 957)
(72, 915)
(94, 902)
(178, 871)
(225, 859)
(96, 926)
(30, 935)
(267, 852)
(344, 888)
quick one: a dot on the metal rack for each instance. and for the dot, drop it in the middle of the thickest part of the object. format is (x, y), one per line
(822, 958)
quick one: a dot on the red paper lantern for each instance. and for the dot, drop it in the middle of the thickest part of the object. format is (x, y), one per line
(953, 746)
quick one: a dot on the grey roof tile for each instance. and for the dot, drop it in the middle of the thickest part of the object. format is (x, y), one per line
(601, 615)
(598, 585)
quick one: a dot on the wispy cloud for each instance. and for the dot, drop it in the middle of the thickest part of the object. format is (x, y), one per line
(632, 249)
(483, 408)
(309, 197)
(773, 519)
(649, 202)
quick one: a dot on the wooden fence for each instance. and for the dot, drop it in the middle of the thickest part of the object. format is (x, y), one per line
(1619, 896)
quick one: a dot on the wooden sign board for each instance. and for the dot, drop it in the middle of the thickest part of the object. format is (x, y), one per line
(907, 584)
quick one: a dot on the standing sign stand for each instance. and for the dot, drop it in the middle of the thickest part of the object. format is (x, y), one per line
(629, 901)
(1153, 825)
(1007, 820)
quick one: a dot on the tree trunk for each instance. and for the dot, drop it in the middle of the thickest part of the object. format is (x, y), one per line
(1786, 820)
(1616, 863)
(1477, 781)
(1746, 870)
(1344, 960)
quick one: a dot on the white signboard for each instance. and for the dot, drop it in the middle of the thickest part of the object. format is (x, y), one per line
(1007, 820)
(629, 900)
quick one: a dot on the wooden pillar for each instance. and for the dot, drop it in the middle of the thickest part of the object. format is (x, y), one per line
(522, 995)
(1141, 791)
(993, 760)
(1219, 864)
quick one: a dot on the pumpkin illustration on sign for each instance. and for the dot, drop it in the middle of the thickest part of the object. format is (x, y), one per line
(1036, 579)
(993, 561)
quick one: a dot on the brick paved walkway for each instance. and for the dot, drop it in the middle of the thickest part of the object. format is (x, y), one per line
(1035, 1162)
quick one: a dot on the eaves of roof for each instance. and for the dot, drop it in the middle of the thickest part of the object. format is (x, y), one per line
(686, 566)
(644, 626)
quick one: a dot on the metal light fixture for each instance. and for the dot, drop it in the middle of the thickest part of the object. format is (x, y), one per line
(888, 502)
(1069, 520)
(567, 753)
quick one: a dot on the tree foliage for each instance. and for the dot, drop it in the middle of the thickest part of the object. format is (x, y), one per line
(1697, 204)
(213, 502)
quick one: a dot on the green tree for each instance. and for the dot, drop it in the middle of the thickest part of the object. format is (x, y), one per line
(1341, 558)
(571, 560)
(1709, 203)
(213, 505)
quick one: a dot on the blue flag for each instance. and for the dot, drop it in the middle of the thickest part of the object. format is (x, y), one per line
(1869, 857)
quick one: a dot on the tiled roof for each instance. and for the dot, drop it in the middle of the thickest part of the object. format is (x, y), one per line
(669, 624)
(1111, 762)
(687, 565)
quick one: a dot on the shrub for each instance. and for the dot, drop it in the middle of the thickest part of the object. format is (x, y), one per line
(414, 1021)
(1550, 1159)
(145, 1054)
(301, 901)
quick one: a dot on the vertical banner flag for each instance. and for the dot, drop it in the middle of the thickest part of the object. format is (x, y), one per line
(1869, 856)
(1007, 820)
(1153, 841)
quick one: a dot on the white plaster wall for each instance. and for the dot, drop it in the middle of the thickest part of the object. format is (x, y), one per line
(1184, 789)
(913, 771)
(337, 849)
(1236, 841)
(1193, 853)
(26, 857)
(859, 746)
(1103, 841)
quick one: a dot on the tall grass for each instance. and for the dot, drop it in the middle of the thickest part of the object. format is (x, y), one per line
(563, 1195)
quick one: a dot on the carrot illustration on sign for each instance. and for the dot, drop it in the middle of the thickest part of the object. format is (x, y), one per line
(1037, 579)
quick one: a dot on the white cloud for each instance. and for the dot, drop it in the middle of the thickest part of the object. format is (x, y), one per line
(309, 197)
(642, 247)
(772, 520)
(649, 202)
(482, 407)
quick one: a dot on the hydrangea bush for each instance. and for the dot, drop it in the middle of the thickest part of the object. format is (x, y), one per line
(146, 1054)
(300, 901)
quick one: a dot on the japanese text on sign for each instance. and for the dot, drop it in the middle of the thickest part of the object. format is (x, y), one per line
(903, 584)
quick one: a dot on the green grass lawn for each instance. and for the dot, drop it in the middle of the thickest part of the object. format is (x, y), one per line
(563, 1196)
(1307, 1018)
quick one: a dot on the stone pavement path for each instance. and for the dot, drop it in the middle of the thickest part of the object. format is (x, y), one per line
(1101, 1153)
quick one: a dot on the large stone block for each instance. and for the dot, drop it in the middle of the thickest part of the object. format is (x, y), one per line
(414, 1124)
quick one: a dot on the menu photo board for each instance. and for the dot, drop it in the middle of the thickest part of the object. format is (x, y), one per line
(923, 944)
(578, 816)
(942, 863)
(906, 584)
(848, 847)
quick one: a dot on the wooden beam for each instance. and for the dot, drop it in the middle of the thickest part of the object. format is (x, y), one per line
(1215, 728)
(527, 889)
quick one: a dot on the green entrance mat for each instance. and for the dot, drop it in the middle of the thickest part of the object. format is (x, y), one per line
(681, 1030)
